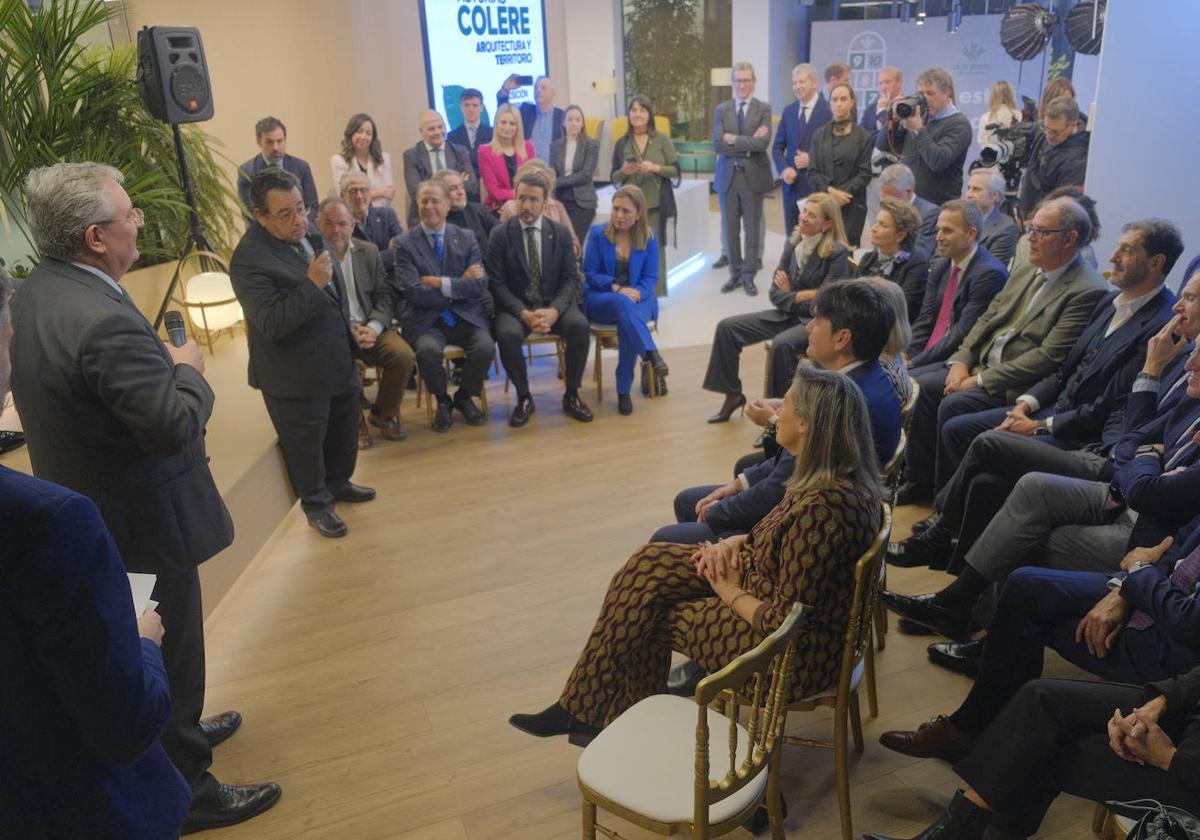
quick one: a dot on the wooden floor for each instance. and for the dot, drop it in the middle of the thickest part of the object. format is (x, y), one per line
(376, 672)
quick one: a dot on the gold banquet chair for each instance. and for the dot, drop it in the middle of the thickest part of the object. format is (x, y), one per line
(651, 766)
(609, 331)
(449, 354)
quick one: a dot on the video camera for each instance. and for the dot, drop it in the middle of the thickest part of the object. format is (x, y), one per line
(1012, 149)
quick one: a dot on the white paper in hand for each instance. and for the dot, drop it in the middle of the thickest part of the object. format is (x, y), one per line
(141, 585)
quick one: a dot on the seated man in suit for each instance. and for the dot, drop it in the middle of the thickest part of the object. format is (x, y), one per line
(1024, 335)
(372, 304)
(439, 269)
(898, 182)
(472, 133)
(465, 213)
(999, 234)
(535, 280)
(271, 136)
(800, 119)
(378, 225)
(961, 283)
(431, 155)
(851, 323)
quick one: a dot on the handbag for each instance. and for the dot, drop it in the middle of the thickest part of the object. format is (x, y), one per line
(1156, 821)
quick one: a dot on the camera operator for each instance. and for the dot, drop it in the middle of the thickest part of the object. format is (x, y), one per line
(1059, 154)
(930, 136)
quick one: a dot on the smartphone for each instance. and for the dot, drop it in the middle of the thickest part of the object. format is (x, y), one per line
(524, 81)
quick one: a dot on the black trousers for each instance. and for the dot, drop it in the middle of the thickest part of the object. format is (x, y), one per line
(182, 613)
(789, 339)
(319, 439)
(1061, 746)
(474, 340)
(572, 325)
(933, 410)
(581, 218)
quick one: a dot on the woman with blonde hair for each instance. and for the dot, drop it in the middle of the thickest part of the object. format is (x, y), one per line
(815, 254)
(715, 601)
(1002, 110)
(552, 209)
(620, 270)
(500, 159)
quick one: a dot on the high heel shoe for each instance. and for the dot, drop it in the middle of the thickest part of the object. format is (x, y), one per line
(732, 403)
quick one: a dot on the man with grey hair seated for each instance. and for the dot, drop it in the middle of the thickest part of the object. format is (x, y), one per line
(378, 225)
(116, 414)
(985, 189)
(1059, 154)
(897, 181)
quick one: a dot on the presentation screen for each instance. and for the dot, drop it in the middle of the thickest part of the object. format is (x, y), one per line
(478, 44)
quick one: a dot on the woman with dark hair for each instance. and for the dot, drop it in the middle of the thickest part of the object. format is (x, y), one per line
(716, 601)
(574, 159)
(361, 152)
(894, 257)
(646, 159)
(839, 161)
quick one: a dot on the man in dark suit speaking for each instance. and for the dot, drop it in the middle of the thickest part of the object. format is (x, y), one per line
(112, 412)
(301, 348)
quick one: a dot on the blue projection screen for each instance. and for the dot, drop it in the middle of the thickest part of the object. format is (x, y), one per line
(479, 44)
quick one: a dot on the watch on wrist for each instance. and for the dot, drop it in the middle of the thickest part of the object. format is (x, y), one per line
(1147, 376)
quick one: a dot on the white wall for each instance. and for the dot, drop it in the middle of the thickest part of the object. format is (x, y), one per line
(773, 23)
(591, 54)
(1141, 156)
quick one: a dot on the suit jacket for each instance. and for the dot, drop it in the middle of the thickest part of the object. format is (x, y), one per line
(416, 258)
(872, 123)
(927, 232)
(600, 267)
(299, 337)
(999, 235)
(1109, 375)
(1044, 333)
(816, 272)
(374, 293)
(461, 137)
(768, 480)
(418, 167)
(978, 285)
(84, 699)
(912, 276)
(791, 137)
(746, 151)
(298, 167)
(109, 415)
(508, 268)
(475, 218)
(1174, 611)
(493, 171)
(381, 227)
(575, 176)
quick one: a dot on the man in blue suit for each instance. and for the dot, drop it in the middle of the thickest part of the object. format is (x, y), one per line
(271, 136)
(797, 124)
(439, 268)
(850, 326)
(875, 114)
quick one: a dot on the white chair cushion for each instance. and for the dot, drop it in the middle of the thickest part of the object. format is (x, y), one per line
(645, 761)
(855, 678)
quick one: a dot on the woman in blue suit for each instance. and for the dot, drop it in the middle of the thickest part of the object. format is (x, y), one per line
(620, 268)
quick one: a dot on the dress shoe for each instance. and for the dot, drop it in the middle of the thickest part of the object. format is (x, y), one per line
(218, 728)
(624, 404)
(963, 820)
(910, 628)
(922, 609)
(521, 412)
(328, 524)
(231, 805)
(939, 738)
(389, 427)
(10, 441)
(655, 360)
(576, 409)
(443, 417)
(684, 677)
(355, 493)
(913, 494)
(469, 410)
(732, 403)
(930, 548)
(721, 262)
(932, 521)
(731, 284)
(365, 440)
(555, 720)
(962, 657)
(761, 821)
(749, 287)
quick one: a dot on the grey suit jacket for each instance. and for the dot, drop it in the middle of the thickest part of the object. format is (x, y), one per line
(999, 235)
(107, 414)
(418, 167)
(575, 176)
(747, 150)
(374, 294)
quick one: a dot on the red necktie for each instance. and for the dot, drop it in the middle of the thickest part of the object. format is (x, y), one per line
(943, 319)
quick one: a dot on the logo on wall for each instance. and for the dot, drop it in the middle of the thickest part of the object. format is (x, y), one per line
(866, 55)
(973, 52)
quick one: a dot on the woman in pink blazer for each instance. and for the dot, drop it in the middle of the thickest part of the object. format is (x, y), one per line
(499, 160)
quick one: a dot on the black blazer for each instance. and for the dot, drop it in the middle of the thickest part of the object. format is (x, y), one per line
(418, 167)
(300, 342)
(415, 258)
(984, 278)
(381, 227)
(822, 173)
(108, 415)
(508, 267)
(813, 274)
(927, 232)
(912, 276)
(575, 176)
(475, 218)
(298, 167)
(460, 137)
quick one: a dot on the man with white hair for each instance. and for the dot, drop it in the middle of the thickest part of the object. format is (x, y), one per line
(985, 189)
(797, 124)
(897, 181)
(542, 121)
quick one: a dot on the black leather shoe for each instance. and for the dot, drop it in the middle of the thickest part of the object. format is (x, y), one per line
(922, 610)
(443, 417)
(913, 494)
(930, 548)
(932, 521)
(469, 410)
(761, 821)
(576, 409)
(721, 262)
(910, 628)
(355, 493)
(328, 524)
(748, 285)
(963, 820)
(218, 728)
(10, 441)
(732, 403)
(962, 657)
(624, 404)
(521, 412)
(555, 720)
(731, 284)
(232, 804)
(684, 677)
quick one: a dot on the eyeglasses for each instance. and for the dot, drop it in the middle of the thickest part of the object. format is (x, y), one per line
(1036, 232)
(290, 213)
(136, 216)
(357, 190)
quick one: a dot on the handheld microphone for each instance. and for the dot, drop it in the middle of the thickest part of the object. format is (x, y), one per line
(316, 240)
(176, 333)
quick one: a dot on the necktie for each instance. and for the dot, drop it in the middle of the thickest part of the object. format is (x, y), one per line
(1183, 578)
(330, 287)
(803, 116)
(1067, 397)
(741, 117)
(534, 292)
(1182, 447)
(448, 317)
(942, 324)
(438, 166)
